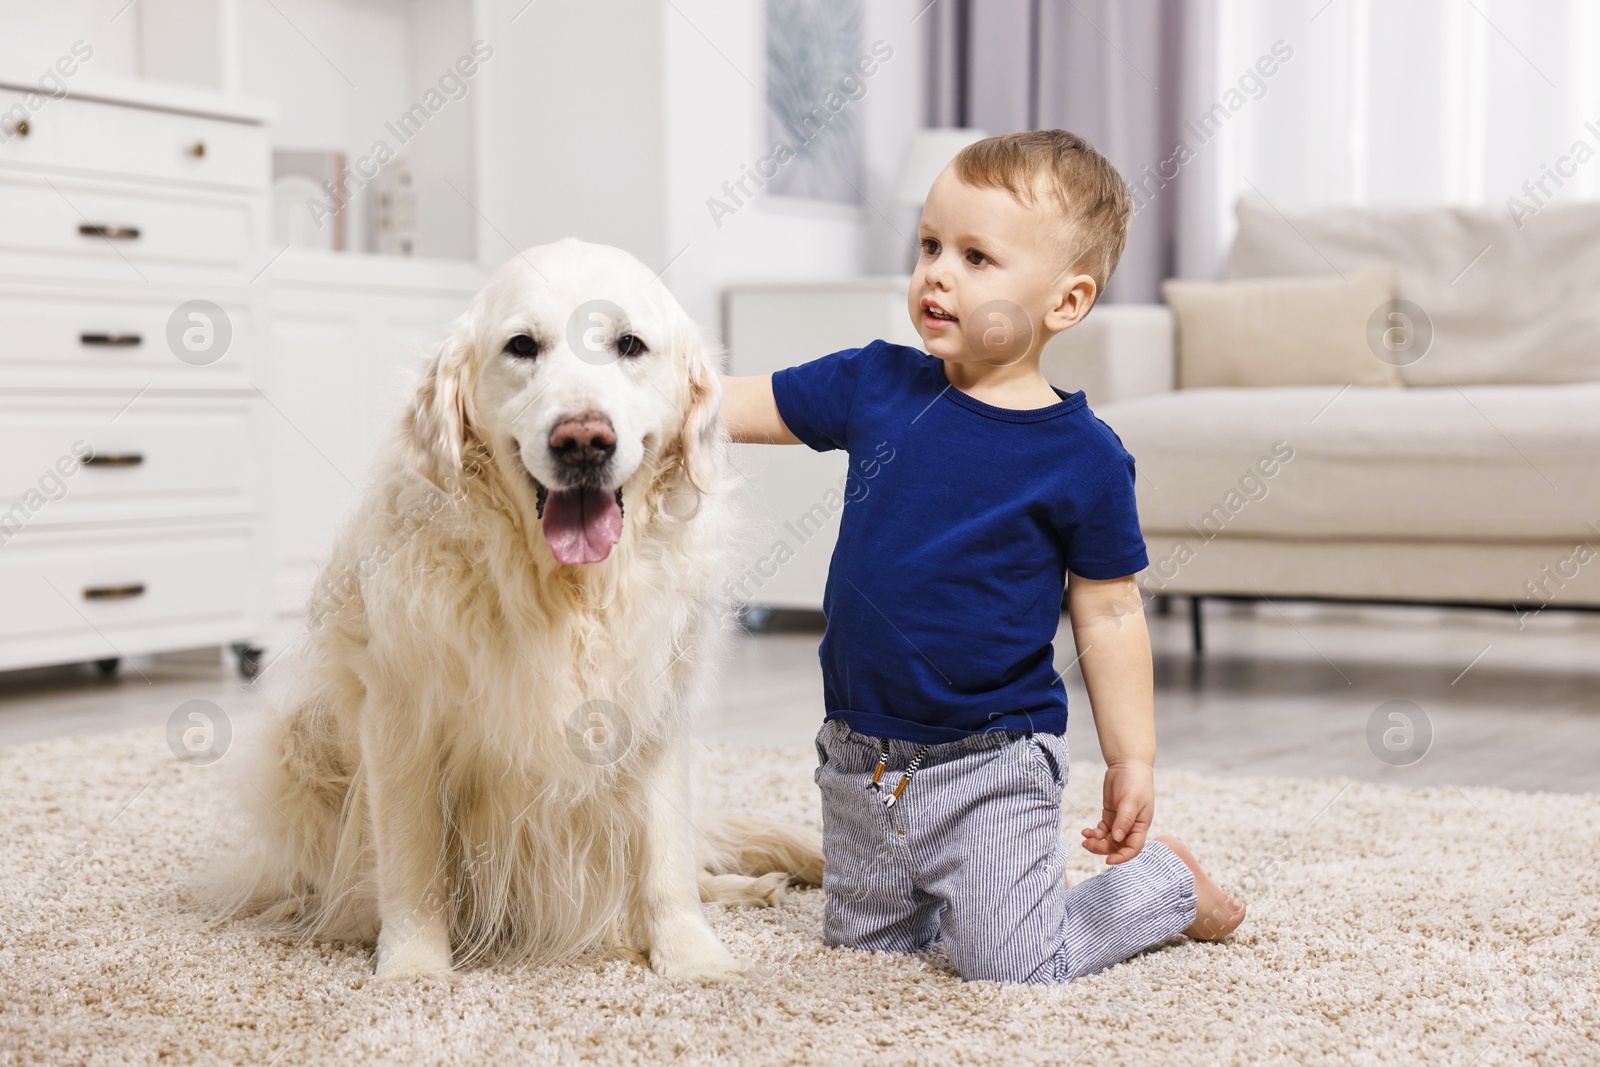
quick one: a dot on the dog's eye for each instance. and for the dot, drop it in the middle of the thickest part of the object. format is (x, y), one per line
(630, 345)
(522, 346)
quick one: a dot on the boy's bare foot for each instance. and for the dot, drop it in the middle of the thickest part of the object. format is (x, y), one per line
(1216, 914)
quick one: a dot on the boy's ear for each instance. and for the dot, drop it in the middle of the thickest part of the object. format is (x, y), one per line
(1075, 296)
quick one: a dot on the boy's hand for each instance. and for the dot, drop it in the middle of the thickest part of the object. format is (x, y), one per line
(1129, 798)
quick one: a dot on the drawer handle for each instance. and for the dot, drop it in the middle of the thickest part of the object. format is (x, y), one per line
(114, 459)
(113, 592)
(111, 340)
(21, 128)
(198, 150)
(115, 233)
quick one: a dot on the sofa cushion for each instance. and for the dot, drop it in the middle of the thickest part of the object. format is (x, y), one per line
(1508, 300)
(1446, 463)
(1280, 331)
(1482, 572)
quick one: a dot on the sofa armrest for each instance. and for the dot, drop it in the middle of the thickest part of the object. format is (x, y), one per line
(1119, 351)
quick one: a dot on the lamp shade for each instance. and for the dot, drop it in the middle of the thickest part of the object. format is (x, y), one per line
(927, 153)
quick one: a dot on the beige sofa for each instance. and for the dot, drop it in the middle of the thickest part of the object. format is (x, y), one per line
(1474, 482)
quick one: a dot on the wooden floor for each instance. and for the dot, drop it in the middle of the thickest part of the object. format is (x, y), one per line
(1281, 690)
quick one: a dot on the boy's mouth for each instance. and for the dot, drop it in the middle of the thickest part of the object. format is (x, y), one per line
(936, 317)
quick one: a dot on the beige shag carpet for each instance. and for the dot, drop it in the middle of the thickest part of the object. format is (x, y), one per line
(1387, 925)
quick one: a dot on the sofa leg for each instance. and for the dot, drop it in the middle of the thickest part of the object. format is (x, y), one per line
(1197, 633)
(1162, 604)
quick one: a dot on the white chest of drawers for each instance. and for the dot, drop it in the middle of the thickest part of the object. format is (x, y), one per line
(133, 473)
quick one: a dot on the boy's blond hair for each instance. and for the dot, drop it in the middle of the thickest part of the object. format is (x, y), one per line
(1094, 200)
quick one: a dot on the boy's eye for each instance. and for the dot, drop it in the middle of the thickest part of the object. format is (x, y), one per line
(930, 247)
(976, 258)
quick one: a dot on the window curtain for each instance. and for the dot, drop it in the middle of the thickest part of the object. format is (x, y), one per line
(1111, 70)
(1465, 102)
(1198, 102)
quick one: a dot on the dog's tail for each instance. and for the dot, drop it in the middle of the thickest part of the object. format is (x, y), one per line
(749, 861)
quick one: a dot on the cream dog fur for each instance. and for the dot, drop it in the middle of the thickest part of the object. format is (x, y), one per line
(483, 751)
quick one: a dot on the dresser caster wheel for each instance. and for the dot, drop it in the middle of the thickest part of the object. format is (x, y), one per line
(108, 667)
(249, 657)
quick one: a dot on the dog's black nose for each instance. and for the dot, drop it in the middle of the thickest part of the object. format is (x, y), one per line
(583, 441)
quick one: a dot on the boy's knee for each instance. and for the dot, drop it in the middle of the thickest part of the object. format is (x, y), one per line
(861, 940)
(1002, 970)
(906, 935)
(983, 963)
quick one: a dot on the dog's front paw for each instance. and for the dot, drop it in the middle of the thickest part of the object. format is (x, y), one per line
(691, 952)
(419, 955)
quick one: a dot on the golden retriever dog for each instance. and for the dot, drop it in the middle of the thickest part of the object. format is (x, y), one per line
(482, 755)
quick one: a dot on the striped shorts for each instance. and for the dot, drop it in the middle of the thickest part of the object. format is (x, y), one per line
(973, 854)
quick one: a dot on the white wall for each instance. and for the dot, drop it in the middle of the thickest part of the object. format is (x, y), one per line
(716, 123)
(573, 127)
(34, 36)
(443, 153)
(337, 70)
(188, 41)
(615, 120)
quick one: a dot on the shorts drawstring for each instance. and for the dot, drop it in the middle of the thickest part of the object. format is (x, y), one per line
(875, 785)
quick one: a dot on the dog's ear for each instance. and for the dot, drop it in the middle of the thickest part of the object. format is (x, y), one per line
(702, 413)
(440, 428)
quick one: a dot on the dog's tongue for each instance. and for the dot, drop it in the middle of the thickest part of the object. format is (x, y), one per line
(581, 525)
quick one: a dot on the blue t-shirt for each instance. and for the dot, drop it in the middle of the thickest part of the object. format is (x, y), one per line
(960, 523)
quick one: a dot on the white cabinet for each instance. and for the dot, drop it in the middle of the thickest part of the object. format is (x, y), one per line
(349, 334)
(133, 474)
(164, 457)
(116, 336)
(145, 134)
(791, 490)
(134, 588)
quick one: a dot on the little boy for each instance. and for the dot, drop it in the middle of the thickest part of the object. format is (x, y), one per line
(943, 753)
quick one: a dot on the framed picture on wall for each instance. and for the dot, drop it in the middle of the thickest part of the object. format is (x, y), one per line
(814, 93)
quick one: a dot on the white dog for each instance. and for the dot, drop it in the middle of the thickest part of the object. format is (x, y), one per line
(485, 756)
